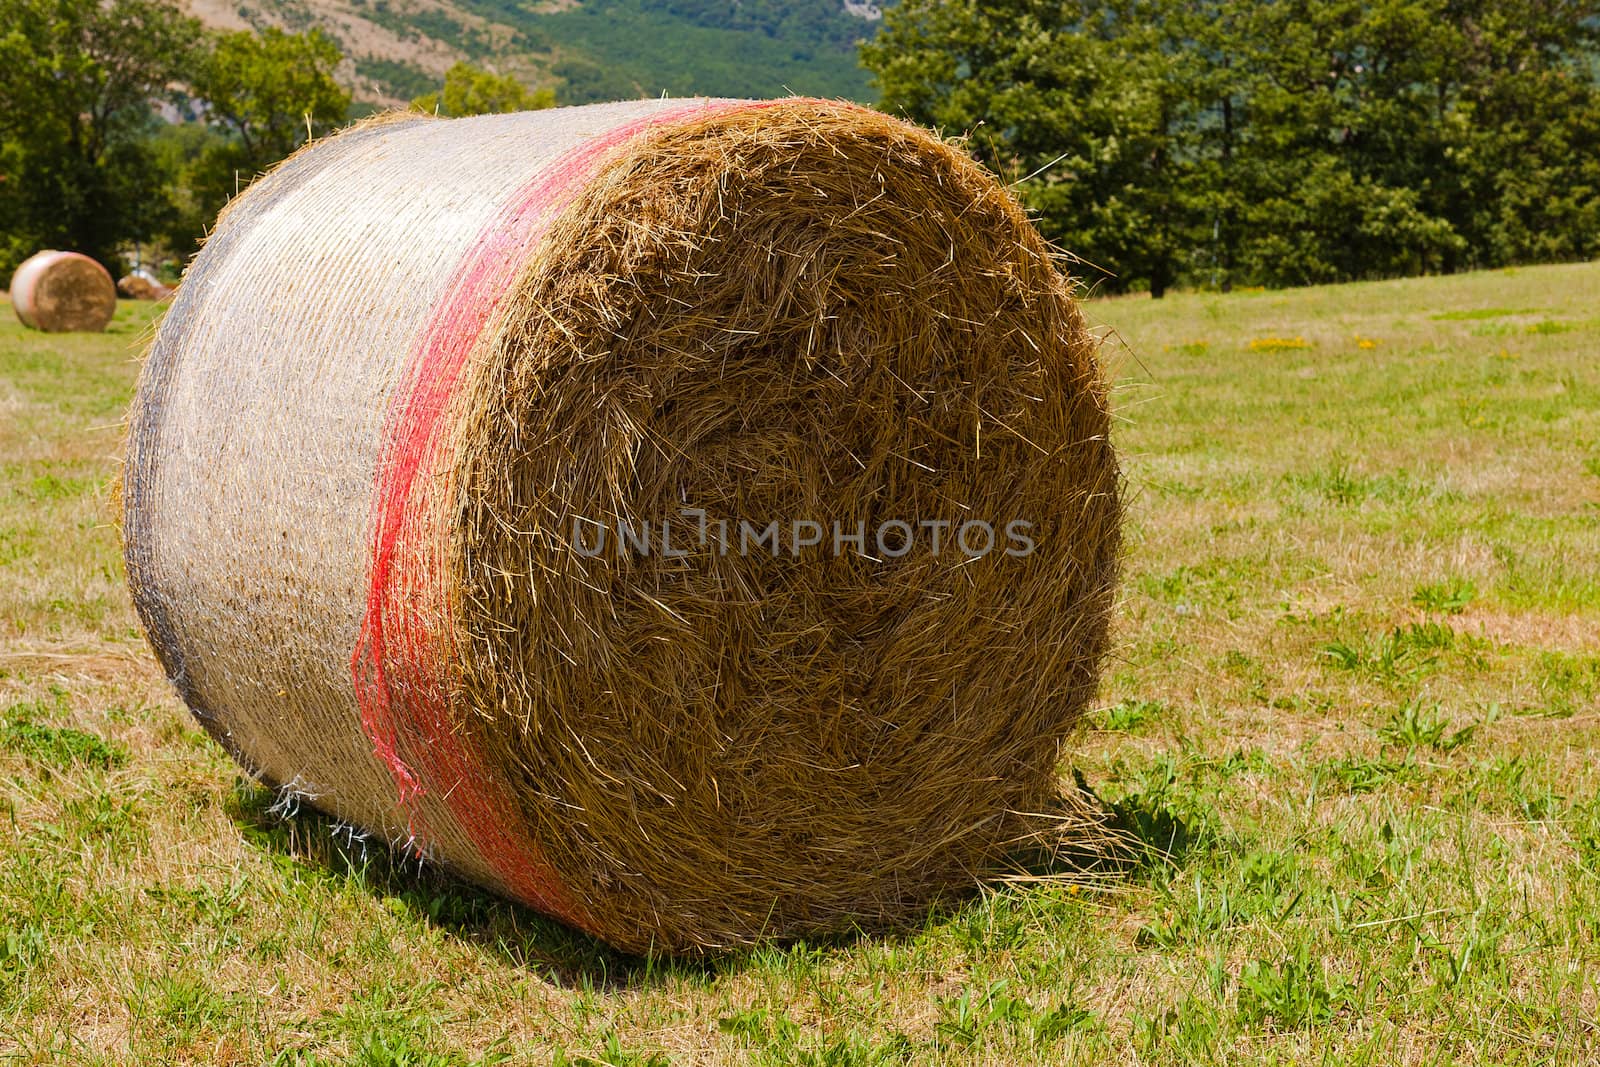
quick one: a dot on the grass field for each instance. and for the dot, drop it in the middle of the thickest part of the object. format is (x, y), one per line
(1354, 698)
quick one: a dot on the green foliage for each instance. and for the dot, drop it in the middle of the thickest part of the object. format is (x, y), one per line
(1090, 106)
(21, 948)
(1130, 714)
(270, 91)
(779, 1041)
(1474, 314)
(193, 157)
(1339, 483)
(405, 80)
(818, 26)
(77, 82)
(1189, 1029)
(470, 91)
(1294, 993)
(396, 1050)
(1396, 655)
(1159, 820)
(55, 747)
(1414, 725)
(626, 49)
(264, 95)
(261, 97)
(86, 164)
(1231, 142)
(1358, 774)
(1449, 597)
(966, 1019)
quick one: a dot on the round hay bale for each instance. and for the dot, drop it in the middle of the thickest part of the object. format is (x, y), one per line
(63, 292)
(595, 499)
(140, 285)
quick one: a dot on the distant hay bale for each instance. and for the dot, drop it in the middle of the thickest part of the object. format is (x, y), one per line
(63, 292)
(141, 286)
(594, 500)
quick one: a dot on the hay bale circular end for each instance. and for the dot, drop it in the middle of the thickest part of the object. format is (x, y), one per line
(694, 519)
(63, 292)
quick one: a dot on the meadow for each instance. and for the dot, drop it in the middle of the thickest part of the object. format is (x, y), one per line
(1350, 722)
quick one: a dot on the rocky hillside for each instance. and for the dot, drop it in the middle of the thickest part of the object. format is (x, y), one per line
(586, 49)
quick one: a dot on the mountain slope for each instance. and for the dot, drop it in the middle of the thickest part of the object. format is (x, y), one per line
(589, 50)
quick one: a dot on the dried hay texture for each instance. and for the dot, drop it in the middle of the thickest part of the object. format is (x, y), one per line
(418, 361)
(141, 287)
(62, 292)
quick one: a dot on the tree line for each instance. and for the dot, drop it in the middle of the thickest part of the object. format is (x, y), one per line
(126, 123)
(1163, 142)
(87, 161)
(1270, 142)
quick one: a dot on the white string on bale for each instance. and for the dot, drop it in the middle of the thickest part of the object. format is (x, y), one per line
(62, 292)
(694, 519)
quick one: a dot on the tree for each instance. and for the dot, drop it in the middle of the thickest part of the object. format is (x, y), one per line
(271, 91)
(1339, 147)
(1392, 137)
(1282, 142)
(1527, 130)
(1087, 106)
(78, 80)
(264, 95)
(469, 90)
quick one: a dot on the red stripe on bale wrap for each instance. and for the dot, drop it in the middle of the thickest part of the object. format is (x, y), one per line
(403, 661)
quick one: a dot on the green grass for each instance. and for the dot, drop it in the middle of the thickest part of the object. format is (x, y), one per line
(1348, 729)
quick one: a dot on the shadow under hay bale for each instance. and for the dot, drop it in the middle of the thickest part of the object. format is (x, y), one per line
(282, 825)
(63, 292)
(518, 486)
